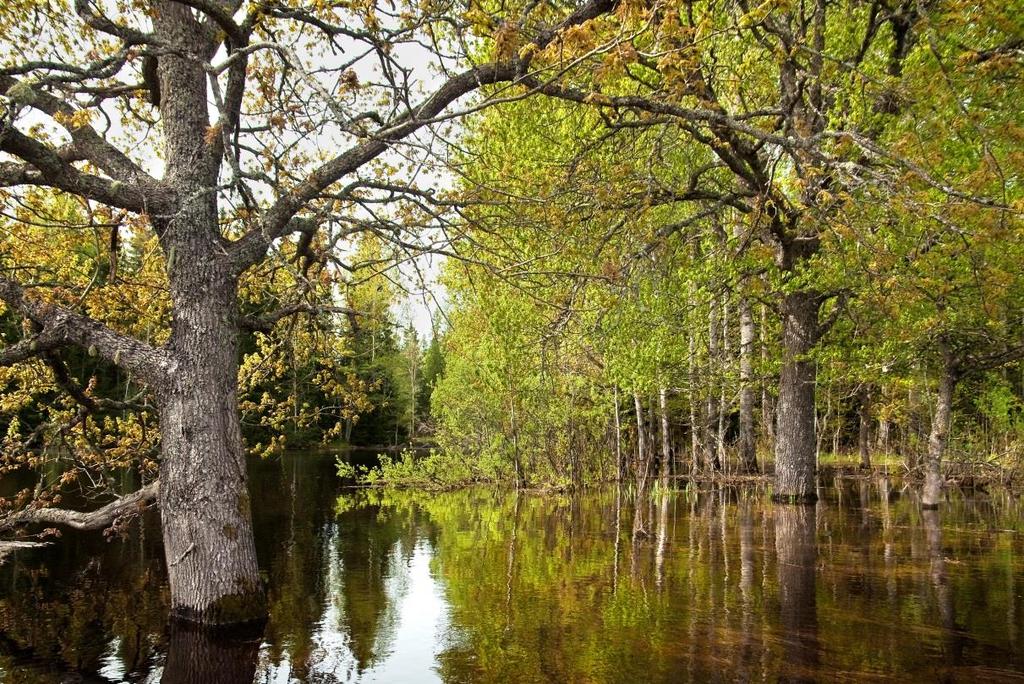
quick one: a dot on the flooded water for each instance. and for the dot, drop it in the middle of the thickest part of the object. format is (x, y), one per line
(487, 586)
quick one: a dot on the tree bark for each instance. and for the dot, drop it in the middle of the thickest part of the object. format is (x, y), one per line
(204, 499)
(795, 440)
(747, 445)
(939, 436)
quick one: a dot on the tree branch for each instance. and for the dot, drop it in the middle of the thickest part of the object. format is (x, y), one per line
(46, 167)
(62, 326)
(266, 322)
(131, 504)
(252, 247)
(87, 141)
(28, 348)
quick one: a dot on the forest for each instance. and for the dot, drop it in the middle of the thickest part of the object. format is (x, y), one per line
(541, 247)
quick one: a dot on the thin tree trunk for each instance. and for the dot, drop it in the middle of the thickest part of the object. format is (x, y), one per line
(795, 466)
(747, 445)
(939, 436)
(666, 447)
(767, 399)
(711, 417)
(516, 457)
(696, 443)
(619, 466)
(640, 469)
(864, 435)
(724, 361)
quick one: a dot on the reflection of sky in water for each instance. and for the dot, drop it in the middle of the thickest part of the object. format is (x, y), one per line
(405, 652)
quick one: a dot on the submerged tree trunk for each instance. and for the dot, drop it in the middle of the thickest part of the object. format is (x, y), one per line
(795, 440)
(204, 499)
(939, 436)
(747, 445)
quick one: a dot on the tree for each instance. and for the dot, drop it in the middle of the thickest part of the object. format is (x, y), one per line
(262, 169)
(797, 114)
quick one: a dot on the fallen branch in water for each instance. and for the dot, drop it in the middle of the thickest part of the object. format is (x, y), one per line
(130, 504)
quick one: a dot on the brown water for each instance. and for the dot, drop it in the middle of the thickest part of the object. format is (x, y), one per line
(487, 586)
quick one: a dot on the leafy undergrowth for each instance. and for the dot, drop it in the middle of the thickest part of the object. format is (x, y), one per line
(435, 470)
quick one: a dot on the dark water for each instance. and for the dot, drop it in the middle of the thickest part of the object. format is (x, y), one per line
(485, 586)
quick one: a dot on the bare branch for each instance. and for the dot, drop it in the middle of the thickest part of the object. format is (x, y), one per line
(46, 167)
(266, 322)
(131, 504)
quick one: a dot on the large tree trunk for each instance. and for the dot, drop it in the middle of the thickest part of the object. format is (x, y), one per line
(939, 437)
(795, 445)
(748, 447)
(204, 499)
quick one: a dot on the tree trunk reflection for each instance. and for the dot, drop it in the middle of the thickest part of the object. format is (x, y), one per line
(795, 545)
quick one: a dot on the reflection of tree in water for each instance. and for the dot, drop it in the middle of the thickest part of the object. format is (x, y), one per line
(293, 531)
(55, 610)
(952, 633)
(370, 542)
(324, 558)
(211, 656)
(550, 588)
(796, 546)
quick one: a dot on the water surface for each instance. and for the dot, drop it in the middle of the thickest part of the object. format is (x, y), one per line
(482, 585)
